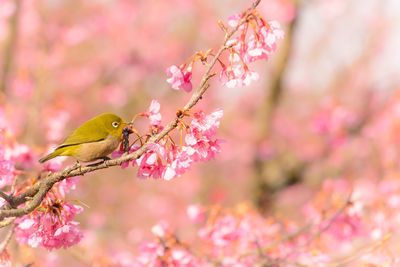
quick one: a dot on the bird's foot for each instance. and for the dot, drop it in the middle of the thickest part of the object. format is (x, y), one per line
(105, 161)
(77, 165)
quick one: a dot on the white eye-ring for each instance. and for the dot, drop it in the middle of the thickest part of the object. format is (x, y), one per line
(115, 124)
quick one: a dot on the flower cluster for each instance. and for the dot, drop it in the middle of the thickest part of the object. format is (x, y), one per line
(11, 153)
(51, 226)
(166, 159)
(244, 48)
(7, 169)
(339, 215)
(230, 237)
(165, 251)
(334, 123)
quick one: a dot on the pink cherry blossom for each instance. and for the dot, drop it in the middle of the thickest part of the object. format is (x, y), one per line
(181, 257)
(237, 76)
(53, 165)
(149, 254)
(179, 162)
(200, 144)
(334, 122)
(7, 170)
(66, 185)
(159, 254)
(206, 124)
(345, 227)
(167, 161)
(153, 113)
(118, 153)
(262, 44)
(161, 229)
(50, 227)
(196, 213)
(5, 260)
(244, 50)
(17, 152)
(150, 164)
(55, 125)
(233, 20)
(179, 78)
(224, 231)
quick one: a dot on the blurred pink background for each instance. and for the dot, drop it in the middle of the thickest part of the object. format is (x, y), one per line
(335, 73)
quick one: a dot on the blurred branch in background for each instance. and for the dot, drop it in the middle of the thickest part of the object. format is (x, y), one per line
(284, 169)
(10, 48)
(262, 187)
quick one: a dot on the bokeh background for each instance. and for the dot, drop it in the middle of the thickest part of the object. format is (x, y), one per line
(326, 105)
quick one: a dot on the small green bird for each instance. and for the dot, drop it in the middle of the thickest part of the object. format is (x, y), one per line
(94, 139)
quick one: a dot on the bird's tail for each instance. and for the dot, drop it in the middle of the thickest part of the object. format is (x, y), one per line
(53, 154)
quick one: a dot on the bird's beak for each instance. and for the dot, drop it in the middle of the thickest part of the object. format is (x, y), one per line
(129, 127)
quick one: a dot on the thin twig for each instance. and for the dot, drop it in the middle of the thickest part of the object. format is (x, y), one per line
(6, 222)
(354, 255)
(7, 239)
(329, 222)
(36, 193)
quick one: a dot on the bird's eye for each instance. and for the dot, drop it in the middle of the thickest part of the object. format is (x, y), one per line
(115, 124)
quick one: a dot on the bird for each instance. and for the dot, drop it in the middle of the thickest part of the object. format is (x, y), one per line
(93, 140)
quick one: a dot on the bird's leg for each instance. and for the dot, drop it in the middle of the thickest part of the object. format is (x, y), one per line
(77, 165)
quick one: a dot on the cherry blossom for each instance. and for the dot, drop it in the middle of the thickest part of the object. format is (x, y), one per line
(50, 227)
(245, 50)
(237, 76)
(223, 232)
(5, 260)
(196, 213)
(67, 185)
(153, 113)
(7, 170)
(180, 78)
(53, 165)
(233, 20)
(155, 254)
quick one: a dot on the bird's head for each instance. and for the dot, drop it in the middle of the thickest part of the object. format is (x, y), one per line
(113, 124)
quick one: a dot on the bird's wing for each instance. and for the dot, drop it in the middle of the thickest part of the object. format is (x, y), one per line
(88, 132)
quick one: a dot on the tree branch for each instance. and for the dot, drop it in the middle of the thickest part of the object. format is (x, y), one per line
(9, 49)
(262, 187)
(37, 192)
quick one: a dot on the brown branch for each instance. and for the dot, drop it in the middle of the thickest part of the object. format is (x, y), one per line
(37, 192)
(10, 47)
(5, 196)
(264, 188)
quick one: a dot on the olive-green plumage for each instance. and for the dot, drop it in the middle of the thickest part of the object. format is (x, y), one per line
(94, 139)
